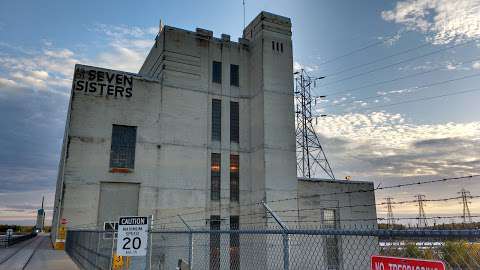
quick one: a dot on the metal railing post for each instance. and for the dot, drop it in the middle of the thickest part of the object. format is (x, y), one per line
(286, 238)
(148, 265)
(190, 240)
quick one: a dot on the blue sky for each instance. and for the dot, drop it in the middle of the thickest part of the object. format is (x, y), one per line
(364, 135)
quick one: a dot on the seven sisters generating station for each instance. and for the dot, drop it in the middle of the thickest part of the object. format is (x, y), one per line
(208, 126)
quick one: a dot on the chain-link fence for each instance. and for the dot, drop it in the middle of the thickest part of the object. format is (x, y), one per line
(277, 249)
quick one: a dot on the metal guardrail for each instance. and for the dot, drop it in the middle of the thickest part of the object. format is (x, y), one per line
(333, 249)
(10, 240)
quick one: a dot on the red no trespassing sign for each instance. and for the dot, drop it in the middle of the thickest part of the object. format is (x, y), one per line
(394, 263)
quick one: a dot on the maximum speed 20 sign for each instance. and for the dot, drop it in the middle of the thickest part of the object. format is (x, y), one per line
(132, 236)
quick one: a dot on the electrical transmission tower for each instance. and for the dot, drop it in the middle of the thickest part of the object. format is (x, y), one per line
(422, 219)
(311, 158)
(390, 218)
(467, 217)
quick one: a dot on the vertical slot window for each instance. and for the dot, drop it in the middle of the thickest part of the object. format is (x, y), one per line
(234, 122)
(214, 243)
(234, 178)
(215, 176)
(217, 72)
(234, 243)
(234, 75)
(216, 119)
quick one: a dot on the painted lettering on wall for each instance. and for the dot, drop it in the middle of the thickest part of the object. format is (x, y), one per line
(103, 83)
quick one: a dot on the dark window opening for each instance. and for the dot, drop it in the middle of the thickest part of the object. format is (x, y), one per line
(234, 243)
(277, 46)
(234, 178)
(281, 47)
(215, 176)
(234, 75)
(329, 220)
(216, 119)
(234, 122)
(273, 45)
(122, 151)
(214, 243)
(217, 72)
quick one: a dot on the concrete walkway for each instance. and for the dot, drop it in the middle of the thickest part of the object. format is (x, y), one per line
(33, 254)
(46, 258)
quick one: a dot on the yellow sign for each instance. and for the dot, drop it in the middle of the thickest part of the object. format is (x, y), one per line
(120, 261)
(62, 231)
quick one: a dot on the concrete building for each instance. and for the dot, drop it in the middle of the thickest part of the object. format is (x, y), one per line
(205, 130)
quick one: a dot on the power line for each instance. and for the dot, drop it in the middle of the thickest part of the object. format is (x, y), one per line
(352, 52)
(420, 99)
(398, 63)
(203, 211)
(416, 88)
(395, 79)
(378, 60)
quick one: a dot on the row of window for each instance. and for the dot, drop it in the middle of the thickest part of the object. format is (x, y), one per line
(217, 73)
(215, 180)
(278, 46)
(215, 243)
(217, 120)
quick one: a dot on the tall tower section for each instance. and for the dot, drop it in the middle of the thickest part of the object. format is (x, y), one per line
(272, 108)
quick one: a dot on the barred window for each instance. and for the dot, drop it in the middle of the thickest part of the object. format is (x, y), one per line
(234, 178)
(216, 119)
(214, 243)
(217, 72)
(215, 176)
(122, 151)
(329, 220)
(234, 121)
(234, 75)
(234, 243)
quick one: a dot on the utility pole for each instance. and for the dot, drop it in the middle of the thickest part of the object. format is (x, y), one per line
(390, 218)
(467, 217)
(422, 219)
(311, 158)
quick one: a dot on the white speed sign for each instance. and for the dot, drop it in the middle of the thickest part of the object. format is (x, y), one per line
(132, 237)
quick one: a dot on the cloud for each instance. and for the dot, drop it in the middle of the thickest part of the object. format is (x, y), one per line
(308, 68)
(387, 145)
(443, 21)
(476, 65)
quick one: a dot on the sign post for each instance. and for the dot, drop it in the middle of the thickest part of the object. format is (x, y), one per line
(395, 263)
(132, 236)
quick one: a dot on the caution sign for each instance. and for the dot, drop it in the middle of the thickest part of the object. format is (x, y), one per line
(132, 236)
(394, 263)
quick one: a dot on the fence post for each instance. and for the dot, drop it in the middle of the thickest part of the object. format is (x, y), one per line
(286, 238)
(148, 263)
(190, 240)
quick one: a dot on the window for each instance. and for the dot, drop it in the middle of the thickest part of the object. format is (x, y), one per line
(281, 47)
(234, 243)
(234, 178)
(234, 75)
(331, 242)
(234, 122)
(215, 177)
(216, 119)
(273, 45)
(122, 152)
(217, 72)
(214, 243)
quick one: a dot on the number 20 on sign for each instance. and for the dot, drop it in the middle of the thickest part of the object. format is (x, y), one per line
(132, 236)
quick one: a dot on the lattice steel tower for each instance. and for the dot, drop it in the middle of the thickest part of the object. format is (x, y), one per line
(311, 158)
(465, 195)
(390, 218)
(422, 219)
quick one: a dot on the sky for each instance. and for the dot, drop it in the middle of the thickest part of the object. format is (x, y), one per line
(402, 85)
